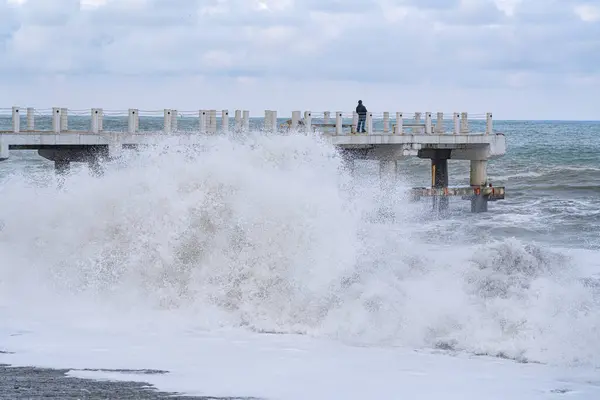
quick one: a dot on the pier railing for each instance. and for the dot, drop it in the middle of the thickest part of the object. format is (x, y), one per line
(96, 120)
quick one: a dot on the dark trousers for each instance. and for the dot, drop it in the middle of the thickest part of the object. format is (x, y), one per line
(360, 127)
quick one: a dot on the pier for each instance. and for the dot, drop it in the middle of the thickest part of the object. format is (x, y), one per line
(66, 136)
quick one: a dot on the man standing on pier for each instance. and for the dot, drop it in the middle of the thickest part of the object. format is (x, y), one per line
(361, 110)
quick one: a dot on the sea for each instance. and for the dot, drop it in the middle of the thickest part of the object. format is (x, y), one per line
(256, 265)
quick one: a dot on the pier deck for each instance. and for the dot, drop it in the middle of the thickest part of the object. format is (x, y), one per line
(411, 138)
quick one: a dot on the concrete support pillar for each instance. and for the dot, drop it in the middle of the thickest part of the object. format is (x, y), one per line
(455, 123)
(428, 124)
(295, 119)
(246, 120)
(308, 121)
(167, 121)
(95, 120)
(174, 120)
(369, 123)
(464, 123)
(488, 124)
(478, 179)
(64, 119)
(354, 121)
(133, 120)
(16, 120)
(238, 120)
(326, 118)
(386, 122)
(338, 123)
(62, 166)
(202, 121)
(30, 119)
(56, 119)
(439, 178)
(439, 123)
(399, 124)
(225, 121)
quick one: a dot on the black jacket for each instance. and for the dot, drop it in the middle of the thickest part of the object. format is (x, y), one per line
(361, 110)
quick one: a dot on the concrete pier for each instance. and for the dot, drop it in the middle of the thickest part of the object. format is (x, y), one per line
(390, 138)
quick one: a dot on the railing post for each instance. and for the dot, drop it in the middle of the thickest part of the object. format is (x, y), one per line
(338, 123)
(274, 121)
(308, 121)
(326, 117)
(488, 124)
(94, 120)
(456, 123)
(246, 120)
(417, 129)
(30, 119)
(133, 120)
(225, 121)
(439, 124)
(16, 120)
(64, 119)
(267, 121)
(167, 121)
(428, 125)
(56, 119)
(100, 119)
(202, 121)
(386, 122)
(238, 120)
(369, 123)
(354, 121)
(212, 118)
(464, 123)
(399, 122)
(295, 119)
(174, 121)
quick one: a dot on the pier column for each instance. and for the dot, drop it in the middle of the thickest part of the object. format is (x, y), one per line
(439, 178)
(16, 120)
(30, 119)
(246, 120)
(478, 179)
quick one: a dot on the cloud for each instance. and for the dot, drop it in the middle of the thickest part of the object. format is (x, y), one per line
(440, 46)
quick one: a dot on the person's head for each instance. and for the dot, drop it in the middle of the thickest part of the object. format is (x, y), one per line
(360, 102)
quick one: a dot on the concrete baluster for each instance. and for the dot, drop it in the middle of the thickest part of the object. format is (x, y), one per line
(326, 117)
(133, 120)
(238, 120)
(354, 121)
(246, 120)
(428, 123)
(456, 123)
(94, 128)
(167, 121)
(386, 122)
(417, 129)
(295, 119)
(338, 123)
(369, 123)
(56, 119)
(225, 121)
(267, 121)
(30, 119)
(174, 120)
(399, 124)
(308, 121)
(488, 124)
(16, 120)
(439, 125)
(464, 123)
(274, 121)
(64, 119)
(202, 121)
(100, 119)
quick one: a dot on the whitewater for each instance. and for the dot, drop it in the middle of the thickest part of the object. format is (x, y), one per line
(256, 265)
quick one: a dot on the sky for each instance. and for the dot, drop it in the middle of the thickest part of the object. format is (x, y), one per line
(520, 59)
